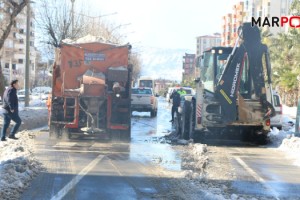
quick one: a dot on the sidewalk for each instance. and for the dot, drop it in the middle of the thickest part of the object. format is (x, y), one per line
(32, 117)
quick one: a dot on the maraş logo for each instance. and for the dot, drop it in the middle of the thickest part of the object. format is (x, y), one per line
(292, 21)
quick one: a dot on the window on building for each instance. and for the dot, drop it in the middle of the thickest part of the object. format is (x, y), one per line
(15, 24)
(32, 34)
(20, 61)
(31, 43)
(21, 41)
(21, 31)
(14, 66)
(6, 65)
(20, 50)
(14, 34)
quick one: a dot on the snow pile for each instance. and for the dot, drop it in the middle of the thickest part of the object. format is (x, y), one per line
(17, 165)
(292, 144)
(87, 39)
(289, 111)
(277, 136)
(194, 161)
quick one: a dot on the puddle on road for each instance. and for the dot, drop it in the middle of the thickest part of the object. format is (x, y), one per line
(148, 143)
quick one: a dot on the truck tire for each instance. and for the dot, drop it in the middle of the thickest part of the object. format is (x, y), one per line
(52, 131)
(192, 121)
(152, 113)
(177, 123)
(185, 121)
(65, 134)
(262, 139)
(120, 135)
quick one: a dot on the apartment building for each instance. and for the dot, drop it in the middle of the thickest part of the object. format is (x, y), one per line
(12, 55)
(188, 66)
(231, 23)
(207, 41)
(245, 10)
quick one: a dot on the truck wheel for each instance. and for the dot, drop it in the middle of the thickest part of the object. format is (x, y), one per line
(52, 131)
(65, 134)
(185, 121)
(177, 124)
(152, 113)
(191, 123)
(262, 139)
(120, 136)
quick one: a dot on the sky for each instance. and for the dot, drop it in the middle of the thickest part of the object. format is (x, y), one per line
(172, 24)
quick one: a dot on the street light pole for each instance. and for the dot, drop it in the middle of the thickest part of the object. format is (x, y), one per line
(27, 67)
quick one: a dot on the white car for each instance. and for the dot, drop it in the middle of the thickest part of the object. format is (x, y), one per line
(144, 100)
(188, 91)
(276, 121)
(21, 95)
(45, 95)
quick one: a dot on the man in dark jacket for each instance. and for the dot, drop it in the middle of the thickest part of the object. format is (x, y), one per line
(11, 112)
(176, 103)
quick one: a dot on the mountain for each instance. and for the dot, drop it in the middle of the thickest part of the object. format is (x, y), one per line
(162, 63)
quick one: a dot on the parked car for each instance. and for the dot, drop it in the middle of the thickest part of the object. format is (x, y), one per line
(276, 121)
(45, 95)
(144, 100)
(21, 95)
(170, 91)
(188, 91)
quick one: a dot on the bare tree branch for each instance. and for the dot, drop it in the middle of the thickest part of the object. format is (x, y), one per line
(12, 10)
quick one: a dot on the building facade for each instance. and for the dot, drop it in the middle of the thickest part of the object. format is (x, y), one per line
(13, 53)
(245, 10)
(188, 66)
(207, 41)
(231, 23)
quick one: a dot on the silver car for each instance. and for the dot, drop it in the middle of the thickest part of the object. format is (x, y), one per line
(276, 121)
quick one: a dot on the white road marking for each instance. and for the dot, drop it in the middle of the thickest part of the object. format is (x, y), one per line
(256, 176)
(77, 178)
(65, 144)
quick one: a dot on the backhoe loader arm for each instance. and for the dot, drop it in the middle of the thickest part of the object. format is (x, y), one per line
(253, 57)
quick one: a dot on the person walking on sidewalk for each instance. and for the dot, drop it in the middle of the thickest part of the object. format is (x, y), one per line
(11, 112)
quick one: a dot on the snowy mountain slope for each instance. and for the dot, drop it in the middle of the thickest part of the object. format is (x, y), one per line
(162, 63)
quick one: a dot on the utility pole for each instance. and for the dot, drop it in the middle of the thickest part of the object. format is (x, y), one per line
(27, 67)
(72, 16)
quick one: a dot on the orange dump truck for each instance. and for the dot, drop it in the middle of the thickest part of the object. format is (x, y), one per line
(91, 92)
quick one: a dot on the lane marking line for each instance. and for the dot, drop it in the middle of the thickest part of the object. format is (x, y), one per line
(64, 191)
(256, 176)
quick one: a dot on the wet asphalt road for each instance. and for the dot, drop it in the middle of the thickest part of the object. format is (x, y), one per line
(265, 172)
(88, 169)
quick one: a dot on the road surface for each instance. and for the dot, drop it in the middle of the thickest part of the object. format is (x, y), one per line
(89, 169)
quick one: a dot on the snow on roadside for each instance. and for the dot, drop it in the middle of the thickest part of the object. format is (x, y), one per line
(285, 139)
(33, 104)
(194, 161)
(17, 165)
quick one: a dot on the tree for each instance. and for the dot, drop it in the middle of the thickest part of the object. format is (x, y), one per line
(2, 82)
(285, 59)
(137, 65)
(9, 10)
(54, 21)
